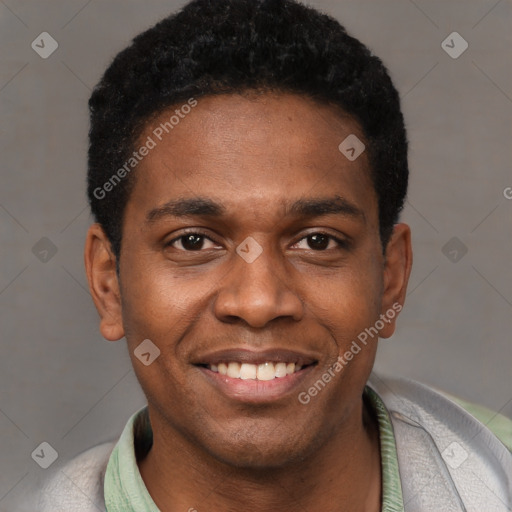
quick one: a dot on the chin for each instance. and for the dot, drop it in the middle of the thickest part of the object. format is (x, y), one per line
(245, 450)
(259, 458)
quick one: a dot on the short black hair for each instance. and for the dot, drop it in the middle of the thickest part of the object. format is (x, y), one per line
(213, 47)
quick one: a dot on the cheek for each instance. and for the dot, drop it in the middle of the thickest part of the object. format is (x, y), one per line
(155, 310)
(349, 301)
(352, 309)
(154, 302)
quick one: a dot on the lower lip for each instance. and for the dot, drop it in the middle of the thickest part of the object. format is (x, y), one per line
(257, 391)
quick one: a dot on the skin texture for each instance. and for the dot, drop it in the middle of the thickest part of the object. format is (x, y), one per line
(253, 153)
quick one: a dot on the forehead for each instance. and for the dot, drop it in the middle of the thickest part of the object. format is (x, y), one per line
(250, 152)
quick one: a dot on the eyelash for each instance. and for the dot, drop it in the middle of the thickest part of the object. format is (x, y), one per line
(342, 244)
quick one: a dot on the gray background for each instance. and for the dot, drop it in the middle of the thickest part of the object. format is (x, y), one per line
(62, 383)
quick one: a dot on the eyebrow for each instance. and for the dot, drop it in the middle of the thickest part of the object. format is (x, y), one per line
(197, 206)
(204, 207)
(316, 207)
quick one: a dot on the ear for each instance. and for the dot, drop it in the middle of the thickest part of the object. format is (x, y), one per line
(397, 269)
(100, 267)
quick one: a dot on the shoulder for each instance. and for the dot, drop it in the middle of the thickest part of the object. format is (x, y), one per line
(442, 447)
(499, 425)
(410, 396)
(75, 485)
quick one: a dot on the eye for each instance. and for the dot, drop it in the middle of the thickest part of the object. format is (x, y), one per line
(192, 241)
(322, 242)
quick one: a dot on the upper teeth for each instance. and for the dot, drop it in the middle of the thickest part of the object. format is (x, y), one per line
(264, 371)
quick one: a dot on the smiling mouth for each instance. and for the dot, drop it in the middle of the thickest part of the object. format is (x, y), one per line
(268, 370)
(256, 376)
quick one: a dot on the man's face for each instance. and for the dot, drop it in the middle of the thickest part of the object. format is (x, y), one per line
(198, 287)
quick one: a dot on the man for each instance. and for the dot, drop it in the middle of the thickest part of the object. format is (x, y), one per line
(247, 168)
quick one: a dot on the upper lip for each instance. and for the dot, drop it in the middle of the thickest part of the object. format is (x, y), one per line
(241, 355)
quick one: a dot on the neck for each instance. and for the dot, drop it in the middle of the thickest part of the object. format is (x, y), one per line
(342, 475)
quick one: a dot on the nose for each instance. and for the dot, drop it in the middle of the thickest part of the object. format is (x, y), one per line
(257, 292)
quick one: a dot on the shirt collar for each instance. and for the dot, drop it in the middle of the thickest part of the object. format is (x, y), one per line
(125, 490)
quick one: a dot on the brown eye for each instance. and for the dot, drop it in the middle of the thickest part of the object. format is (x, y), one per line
(321, 241)
(318, 242)
(190, 242)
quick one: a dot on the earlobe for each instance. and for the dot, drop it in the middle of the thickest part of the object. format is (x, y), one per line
(397, 269)
(100, 266)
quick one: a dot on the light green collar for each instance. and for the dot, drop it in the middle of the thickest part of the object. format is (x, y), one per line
(125, 490)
